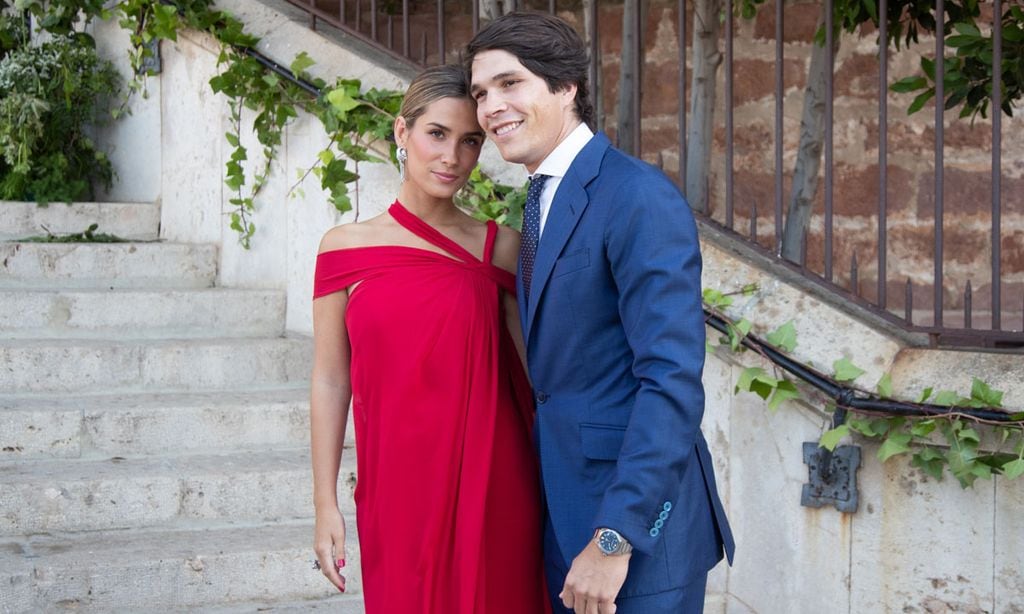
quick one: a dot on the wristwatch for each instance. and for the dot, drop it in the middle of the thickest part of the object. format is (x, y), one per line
(611, 543)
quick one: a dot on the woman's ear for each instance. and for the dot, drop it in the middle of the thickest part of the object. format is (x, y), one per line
(401, 131)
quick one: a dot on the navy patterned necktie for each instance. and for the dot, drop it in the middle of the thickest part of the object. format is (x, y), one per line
(531, 230)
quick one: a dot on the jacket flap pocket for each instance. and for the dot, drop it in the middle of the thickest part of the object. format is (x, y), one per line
(572, 262)
(601, 441)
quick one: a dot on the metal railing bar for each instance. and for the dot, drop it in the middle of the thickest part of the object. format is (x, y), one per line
(348, 29)
(681, 8)
(595, 64)
(341, 11)
(405, 28)
(551, 7)
(997, 145)
(883, 150)
(940, 98)
(779, 102)
(848, 397)
(967, 305)
(829, 103)
(476, 15)
(798, 271)
(373, 20)
(728, 116)
(359, 17)
(638, 72)
(442, 48)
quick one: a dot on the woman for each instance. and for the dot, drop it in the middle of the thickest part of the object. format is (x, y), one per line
(412, 315)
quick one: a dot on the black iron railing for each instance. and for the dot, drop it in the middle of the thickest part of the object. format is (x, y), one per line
(941, 305)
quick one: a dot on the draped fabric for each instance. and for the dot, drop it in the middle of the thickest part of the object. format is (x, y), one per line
(448, 498)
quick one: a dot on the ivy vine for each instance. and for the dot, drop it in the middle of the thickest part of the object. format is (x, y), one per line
(951, 441)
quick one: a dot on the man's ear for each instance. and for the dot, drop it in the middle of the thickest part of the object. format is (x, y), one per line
(568, 94)
(401, 131)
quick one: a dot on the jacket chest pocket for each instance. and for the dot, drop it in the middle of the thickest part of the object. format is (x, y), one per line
(579, 259)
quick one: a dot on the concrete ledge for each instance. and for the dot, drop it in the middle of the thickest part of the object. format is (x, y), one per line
(107, 265)
(142, 314)
(153, 366)
(121, 493)
(916, 369)
(134, 221)
(152, 571)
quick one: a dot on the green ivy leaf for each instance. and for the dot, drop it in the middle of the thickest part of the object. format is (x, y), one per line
(831, 438)
(925, 395)
(896, 443)
(756, 380)
(846, 371)
(715, 299)
(947, 398)
(980, 391)
(342, 102)
(784, 337)
(930, 461)
(884, 386)
(922, 428)
(1014, 469)
(785, 390)
(862, 426)
(301, 63)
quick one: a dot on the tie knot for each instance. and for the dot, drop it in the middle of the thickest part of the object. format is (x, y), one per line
(537, 181)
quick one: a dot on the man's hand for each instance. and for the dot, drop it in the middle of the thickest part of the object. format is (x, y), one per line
(594, 581)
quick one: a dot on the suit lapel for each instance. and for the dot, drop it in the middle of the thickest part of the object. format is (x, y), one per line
(568, 205)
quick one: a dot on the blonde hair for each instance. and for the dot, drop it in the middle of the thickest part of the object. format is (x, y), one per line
(434, 83)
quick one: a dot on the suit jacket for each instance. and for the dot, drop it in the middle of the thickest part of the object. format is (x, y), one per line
(615, 348)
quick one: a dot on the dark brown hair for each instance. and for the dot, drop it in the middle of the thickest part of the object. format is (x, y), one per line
(547, 46)
(434, 83)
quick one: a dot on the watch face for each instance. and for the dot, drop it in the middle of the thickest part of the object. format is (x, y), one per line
(608, 541)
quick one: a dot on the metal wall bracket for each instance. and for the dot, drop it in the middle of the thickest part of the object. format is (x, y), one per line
(151, 64)
(832, 477)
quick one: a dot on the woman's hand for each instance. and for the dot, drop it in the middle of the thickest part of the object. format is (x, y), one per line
(329, 545)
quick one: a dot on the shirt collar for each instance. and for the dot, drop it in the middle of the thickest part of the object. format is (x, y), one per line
(558, 161)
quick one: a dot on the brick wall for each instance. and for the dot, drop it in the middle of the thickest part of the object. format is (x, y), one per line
(910, 189)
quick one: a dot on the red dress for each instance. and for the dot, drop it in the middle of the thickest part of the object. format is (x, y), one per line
(448, 496)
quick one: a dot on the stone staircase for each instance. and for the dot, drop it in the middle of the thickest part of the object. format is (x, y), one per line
(153, 428)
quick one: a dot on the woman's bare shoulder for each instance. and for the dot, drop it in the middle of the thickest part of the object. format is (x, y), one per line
(506, 248)
(355, 234)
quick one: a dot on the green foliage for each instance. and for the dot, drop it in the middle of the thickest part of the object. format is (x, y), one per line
(968, 74)
(486, 200)
(89, 235)
(784, 337)
(935, 443)
(846, 371)
(49, 95)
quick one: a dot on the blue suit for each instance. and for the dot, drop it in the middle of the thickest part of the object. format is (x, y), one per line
(615, 347)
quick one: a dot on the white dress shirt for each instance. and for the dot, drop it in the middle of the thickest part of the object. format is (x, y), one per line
(556, 165)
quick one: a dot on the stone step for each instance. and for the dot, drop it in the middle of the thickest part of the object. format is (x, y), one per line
(129, 493)
(107, 265)
(102, 314)
(185, 568)
(340, 604)
(104, 425)
(134, 221)
(50, 366)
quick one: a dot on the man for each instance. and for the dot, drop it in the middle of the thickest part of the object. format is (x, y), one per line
(609, 296)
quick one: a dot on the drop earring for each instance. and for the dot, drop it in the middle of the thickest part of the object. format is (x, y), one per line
(403, 155)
